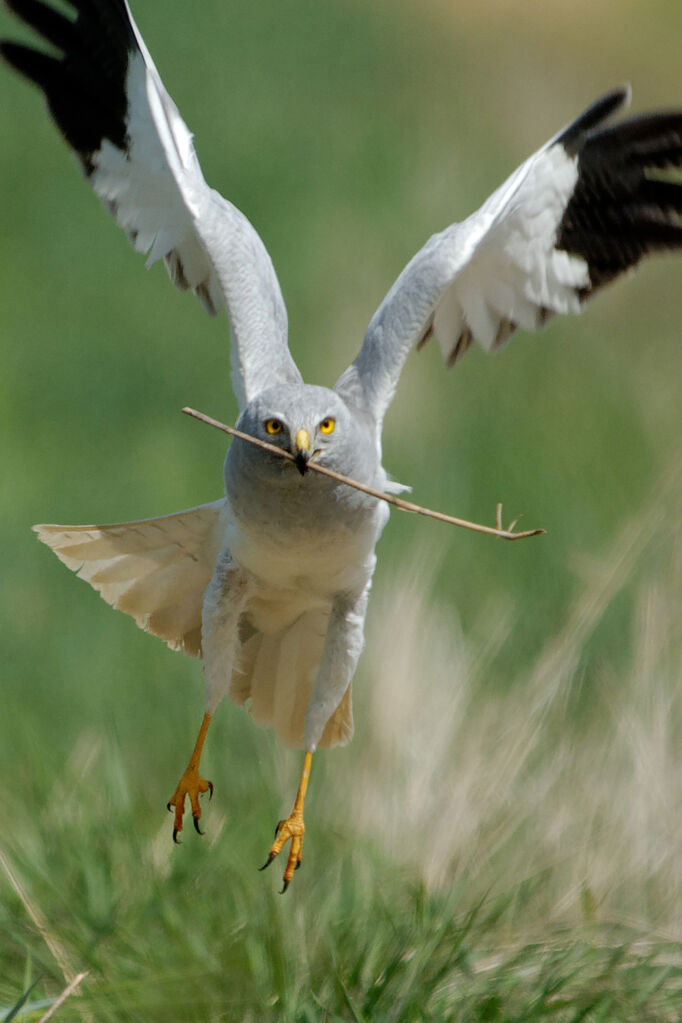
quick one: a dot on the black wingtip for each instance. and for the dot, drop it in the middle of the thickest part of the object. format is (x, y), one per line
(627, 200)
(598, 112)
(56, 28)
(85, 87)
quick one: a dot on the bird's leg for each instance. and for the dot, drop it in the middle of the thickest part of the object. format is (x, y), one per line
(342, 647)
(222, 606)
(292, 828)
(191, 784)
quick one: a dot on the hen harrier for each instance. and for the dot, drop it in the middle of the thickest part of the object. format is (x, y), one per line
(270, 584)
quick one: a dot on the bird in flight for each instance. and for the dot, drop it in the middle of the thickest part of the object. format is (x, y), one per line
(270, 583)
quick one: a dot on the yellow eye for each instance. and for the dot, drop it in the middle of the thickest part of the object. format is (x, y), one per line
(327, 425)
(273, 426)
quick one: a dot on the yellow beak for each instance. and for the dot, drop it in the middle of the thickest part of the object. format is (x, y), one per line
(302, 441)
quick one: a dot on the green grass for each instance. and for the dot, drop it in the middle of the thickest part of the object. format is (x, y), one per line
(501, 841)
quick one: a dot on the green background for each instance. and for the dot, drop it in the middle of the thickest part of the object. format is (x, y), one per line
(348, 133)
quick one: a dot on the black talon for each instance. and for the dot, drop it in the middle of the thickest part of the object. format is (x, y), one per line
(284, 887)
(196, 825)
(278, 826)
(210, 791)
(298, 864)
(269, 860)
(169, 807)
(175, 837)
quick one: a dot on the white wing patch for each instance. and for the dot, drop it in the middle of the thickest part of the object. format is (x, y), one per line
(140, 190)
(515, 276)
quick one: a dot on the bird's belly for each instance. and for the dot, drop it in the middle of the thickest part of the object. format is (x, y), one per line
(302, 573)
(321, 567)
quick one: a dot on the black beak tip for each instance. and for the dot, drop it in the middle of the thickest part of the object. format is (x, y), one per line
(301, 460)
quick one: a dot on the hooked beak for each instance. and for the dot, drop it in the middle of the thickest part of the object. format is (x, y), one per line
(302, 452)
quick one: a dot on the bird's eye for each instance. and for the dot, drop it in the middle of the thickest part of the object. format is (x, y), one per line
(273, 426)
(327, 425)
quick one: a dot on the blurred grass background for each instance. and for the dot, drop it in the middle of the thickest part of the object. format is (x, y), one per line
(502, 840)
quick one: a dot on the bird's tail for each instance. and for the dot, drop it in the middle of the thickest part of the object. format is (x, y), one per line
(155, 570)
(275, 672)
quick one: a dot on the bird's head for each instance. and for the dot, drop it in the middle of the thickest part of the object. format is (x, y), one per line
(313, 424)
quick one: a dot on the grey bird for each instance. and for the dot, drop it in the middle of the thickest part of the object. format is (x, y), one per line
(270, 583)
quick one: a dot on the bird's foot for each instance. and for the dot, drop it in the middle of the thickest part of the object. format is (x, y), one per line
(192, 785)
(291, 828)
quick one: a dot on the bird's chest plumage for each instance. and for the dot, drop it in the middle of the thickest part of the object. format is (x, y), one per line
(302, 544)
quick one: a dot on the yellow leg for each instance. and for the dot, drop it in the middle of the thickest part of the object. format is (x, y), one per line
(191, 784)
(292, 828)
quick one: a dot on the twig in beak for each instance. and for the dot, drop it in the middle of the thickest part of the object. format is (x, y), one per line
(397, 502)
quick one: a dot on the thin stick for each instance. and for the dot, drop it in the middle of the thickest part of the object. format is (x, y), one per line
(397, 502)
(63, 996)
(59, 953)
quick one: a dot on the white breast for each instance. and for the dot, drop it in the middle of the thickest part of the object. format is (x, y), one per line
(301, 570)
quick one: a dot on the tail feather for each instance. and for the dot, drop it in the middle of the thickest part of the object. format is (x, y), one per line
(276, 671)
(259, 684)
(293, 684)
(155, 570)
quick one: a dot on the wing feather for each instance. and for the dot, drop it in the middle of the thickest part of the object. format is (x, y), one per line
(587, 206)
(155, 570)
(110, 104)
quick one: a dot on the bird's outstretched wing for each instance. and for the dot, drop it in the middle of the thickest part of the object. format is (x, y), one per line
(580, 211)
(155, 570)
(110, 104)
